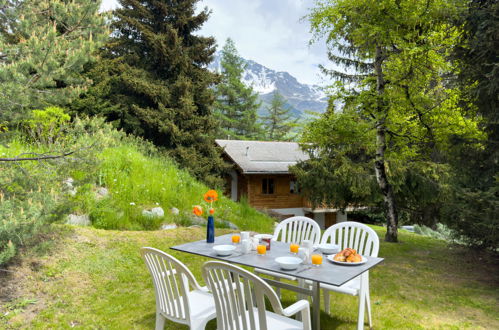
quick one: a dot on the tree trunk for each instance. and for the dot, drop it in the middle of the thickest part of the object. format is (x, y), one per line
(379, 164)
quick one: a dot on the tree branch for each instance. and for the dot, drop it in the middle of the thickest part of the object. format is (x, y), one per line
(17, 159)
(39, 157)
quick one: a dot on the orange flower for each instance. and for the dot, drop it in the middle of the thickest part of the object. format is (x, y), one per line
(211, 196)
(198, 210)
(212, 210)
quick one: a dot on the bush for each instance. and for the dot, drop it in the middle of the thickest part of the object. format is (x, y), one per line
(32, 193)
(46, 126)
(22, 218)
(441, 232)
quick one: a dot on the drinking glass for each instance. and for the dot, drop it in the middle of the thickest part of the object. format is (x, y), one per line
(236, 239)
(316, 260)
(261, 250)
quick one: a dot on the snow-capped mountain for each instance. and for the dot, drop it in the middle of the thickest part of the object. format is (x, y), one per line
(300, 97)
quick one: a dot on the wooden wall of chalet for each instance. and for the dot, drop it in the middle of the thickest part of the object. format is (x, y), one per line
(281, 198)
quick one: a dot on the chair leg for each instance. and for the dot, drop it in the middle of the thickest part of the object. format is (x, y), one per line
(160, 321)
(327, 306)
(278, 290)
(368, 305)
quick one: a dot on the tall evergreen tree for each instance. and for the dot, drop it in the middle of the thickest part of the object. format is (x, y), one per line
(277, 123)
(154, 81)
(44, 45)
(236, 105)
(474, 211)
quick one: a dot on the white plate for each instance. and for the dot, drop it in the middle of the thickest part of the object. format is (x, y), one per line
(224, 250)
(328, 248)
(331, 256)
(288, 263)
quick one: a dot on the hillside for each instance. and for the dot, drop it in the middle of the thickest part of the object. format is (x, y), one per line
(111, 181)
(89, 278)
(300, 97)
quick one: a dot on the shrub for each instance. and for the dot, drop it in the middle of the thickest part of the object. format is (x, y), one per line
(21, 218)
(31, 192)
(46, 126)
(440, 232)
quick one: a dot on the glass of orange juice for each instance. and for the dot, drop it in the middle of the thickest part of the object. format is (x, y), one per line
(261, 250)
(293, 248)
(236, 239)
(316, 260)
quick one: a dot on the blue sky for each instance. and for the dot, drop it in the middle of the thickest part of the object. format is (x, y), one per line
(270, 32)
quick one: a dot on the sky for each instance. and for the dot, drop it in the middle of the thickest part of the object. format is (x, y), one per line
(270, 32)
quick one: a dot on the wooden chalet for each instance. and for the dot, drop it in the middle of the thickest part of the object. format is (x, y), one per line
(261, 174)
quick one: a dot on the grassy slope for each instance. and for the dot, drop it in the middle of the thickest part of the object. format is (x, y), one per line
(92, 278)
(138, 177)
(137, 181)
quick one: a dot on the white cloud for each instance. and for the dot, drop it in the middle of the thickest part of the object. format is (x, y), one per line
(270, 32)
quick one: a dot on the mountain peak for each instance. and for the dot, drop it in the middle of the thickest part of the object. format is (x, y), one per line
(300, 97)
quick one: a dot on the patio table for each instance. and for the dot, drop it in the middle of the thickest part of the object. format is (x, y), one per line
(328, 272)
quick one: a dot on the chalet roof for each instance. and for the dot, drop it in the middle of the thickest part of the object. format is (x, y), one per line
(259, 157)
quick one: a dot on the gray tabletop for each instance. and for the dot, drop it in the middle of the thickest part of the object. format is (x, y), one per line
(328, 272)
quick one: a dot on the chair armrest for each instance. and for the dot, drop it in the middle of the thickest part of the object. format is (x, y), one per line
(298, 306)
(302, 306)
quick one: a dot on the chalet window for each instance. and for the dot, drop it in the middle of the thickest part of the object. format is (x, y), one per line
(293, 187)
(267, 186)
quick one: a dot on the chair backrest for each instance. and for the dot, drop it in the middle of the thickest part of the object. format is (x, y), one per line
(353, 235)
(239, 297)
(297, 229)
(172, 281)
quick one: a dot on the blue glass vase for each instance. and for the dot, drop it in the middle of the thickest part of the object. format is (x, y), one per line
(210, 230)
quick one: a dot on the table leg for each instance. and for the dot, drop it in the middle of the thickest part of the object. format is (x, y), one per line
(316, 306)
(362, 301)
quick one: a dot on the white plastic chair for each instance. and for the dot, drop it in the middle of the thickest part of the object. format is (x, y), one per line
(240, 301)
(172, 287)
(365, 240)
(293, 230)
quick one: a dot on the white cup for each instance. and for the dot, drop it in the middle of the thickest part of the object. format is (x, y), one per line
(308, 245)
(304, 254)
(254, 242)
(246, 246)
(245, 235)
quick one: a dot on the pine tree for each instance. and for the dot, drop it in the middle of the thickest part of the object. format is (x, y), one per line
(44, 45)
(474, 211)
(154, 82)
(236, 105)
(278, 122)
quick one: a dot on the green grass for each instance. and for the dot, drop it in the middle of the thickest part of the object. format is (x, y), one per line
(137, 181)
(137, 177)
(94, 279)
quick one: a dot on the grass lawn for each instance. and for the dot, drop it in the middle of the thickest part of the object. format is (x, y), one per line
(89, 278)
